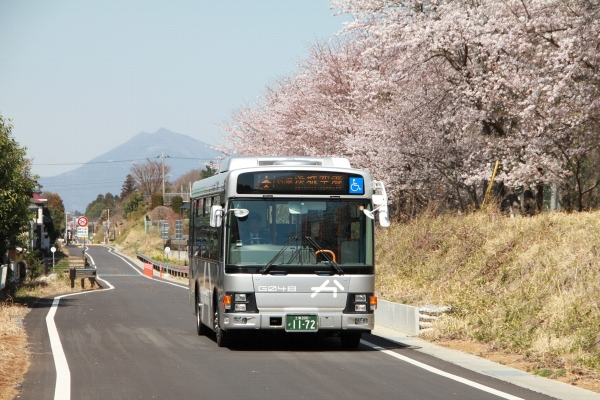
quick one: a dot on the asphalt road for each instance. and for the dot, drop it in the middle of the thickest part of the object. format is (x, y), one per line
(138, 341)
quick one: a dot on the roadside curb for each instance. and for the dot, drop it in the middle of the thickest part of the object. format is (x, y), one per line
(480, 365)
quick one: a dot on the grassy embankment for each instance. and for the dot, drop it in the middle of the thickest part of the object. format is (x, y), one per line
(525, 286)
(134, 239)
(14, 356)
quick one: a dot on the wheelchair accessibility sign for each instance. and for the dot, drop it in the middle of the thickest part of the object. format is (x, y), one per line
(357, 186)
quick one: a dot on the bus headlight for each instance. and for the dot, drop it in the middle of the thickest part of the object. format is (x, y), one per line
(360, 298)
(240, 297)
(360, 307)
(240, 307)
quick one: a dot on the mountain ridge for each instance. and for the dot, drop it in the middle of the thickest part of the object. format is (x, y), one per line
(107, 172)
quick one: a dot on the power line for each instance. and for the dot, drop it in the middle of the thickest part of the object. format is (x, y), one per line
(95, 162)
(119, 161)
(80, 184)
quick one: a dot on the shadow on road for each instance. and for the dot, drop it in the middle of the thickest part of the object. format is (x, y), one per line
(305, 342)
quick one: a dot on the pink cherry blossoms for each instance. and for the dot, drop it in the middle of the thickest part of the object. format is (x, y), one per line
(428, 95)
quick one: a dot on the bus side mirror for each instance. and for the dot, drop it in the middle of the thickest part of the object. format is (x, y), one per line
(384, 217)
(216, 216)
(380, 201)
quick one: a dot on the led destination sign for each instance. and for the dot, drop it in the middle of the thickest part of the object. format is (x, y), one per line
(300, 182)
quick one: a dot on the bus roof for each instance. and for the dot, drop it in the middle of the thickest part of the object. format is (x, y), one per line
(235, 163)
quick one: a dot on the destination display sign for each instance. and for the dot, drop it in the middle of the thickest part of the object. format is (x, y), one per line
(300, 182)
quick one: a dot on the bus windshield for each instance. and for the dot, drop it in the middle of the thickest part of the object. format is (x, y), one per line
(299, 236)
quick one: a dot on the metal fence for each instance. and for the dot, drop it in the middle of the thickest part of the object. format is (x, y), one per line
(155, 227)
(175, 270)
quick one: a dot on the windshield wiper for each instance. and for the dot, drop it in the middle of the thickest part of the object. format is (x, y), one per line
(330, 261)
(270, 263)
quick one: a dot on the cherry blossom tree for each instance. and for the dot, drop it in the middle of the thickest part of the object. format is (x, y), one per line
(428, 95)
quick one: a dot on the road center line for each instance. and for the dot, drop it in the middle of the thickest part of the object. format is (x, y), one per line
(442, 373)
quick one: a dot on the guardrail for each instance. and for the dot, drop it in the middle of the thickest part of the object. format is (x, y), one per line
(173, 269)
(88, 271)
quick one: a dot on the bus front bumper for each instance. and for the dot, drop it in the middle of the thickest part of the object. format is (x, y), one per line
(276, 321)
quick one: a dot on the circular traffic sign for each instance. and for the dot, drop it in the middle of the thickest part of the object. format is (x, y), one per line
(82, 221)
(167, 249)
(53, 249)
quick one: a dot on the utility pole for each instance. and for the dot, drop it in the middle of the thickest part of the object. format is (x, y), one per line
(163, 174)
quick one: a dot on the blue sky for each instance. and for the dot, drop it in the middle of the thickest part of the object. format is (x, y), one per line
(79, 78)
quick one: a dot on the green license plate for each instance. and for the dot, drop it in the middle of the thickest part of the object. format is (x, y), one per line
(301, 323)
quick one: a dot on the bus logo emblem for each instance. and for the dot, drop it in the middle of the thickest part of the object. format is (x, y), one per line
(325, 288)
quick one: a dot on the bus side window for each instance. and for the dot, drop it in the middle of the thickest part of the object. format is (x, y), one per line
(199, 208)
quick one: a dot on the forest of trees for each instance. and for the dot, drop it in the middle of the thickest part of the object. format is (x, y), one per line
(428, 95)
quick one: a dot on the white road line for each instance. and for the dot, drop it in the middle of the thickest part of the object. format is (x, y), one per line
(442, 373)
(111, 251)
(62, 390)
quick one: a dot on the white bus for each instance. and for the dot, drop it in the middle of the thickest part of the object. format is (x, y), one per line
(285, 244)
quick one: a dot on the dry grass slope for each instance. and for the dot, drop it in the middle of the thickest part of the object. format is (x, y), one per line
(135, 239)
(527, 285)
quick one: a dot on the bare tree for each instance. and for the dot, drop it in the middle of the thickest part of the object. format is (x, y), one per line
(186, 179)
(149, 176)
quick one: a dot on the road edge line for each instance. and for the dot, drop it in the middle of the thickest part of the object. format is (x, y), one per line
(62, 388)
(443, 373)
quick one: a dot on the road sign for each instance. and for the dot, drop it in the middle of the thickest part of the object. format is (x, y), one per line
(82, 232)
(53, 249)
(82, 221)
(164, 230)
(178, 229)
(167, 249)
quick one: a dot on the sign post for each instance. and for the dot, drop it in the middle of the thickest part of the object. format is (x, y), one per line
(82, 228)
(53, 250)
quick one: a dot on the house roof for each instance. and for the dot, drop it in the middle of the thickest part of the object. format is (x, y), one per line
(37, 198)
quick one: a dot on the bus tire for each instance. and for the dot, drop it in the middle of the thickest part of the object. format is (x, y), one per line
(351, 340)
(219, 333)
(200, 327)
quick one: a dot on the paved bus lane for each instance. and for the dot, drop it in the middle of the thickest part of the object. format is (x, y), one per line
(138, 340)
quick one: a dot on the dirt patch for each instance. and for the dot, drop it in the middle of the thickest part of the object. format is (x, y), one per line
(577, 377)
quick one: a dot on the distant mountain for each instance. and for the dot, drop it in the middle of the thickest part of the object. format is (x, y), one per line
(106, 173)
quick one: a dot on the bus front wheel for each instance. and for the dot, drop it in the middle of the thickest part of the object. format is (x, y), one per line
(219, 333)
